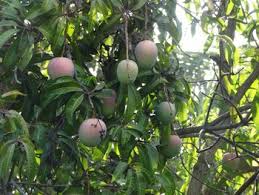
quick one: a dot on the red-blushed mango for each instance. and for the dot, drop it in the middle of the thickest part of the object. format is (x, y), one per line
(173, 147)
(92, 131)
(109, 102)
(127, 71)
(60, 66)
(146, 53)
(229, 161)
(165, 112)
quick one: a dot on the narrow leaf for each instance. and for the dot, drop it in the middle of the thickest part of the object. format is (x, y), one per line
(5, 36)
(73, 103)
(31, 165)
(140, 4)
(255, 110)
(121, 167)
(6, 151)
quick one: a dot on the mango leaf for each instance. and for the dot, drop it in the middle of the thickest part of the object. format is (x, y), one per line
(133, 101)
(71, 145)
(25, 50)
(5, 36)
(58, 89)
(6, 155)
(72, 104)
(156, 81)
(11, 54)
(230, 7)
(169, 175)
(38, 10)
(20, 52)
(17, 123)
(39, 135)
(10, 13)
(31, 165)
(117, 3)
(149, 157)
(153, 155)
(13, 3)
(130, 181)
(166, 182)
(140, 3)
(125, 137)
(119, 170)
(255, 110)
(140, 185)
(208, 43)
(8, 23)
(56, 28)
(13, 93)
(228, 40)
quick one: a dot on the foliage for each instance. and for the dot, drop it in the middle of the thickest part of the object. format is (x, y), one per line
(40, 152)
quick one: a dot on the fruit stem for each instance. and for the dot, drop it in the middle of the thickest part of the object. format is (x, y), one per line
(126, 34)
(146, 20)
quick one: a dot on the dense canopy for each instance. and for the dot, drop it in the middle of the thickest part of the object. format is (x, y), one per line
(159, 118)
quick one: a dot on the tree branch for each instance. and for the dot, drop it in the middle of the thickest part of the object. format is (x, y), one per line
(194, 130)
(249, 81)
(190, 130)
(247, 183)
(254, 155)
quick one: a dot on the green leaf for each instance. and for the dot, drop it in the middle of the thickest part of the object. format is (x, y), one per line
(255, 110)
(31, 165)
(149, 157)
(228, 40)
(133, 101)
(208, 43)
(117, 3)
(39, 10)
(153, 155)
(130, 182)
(20, 53)
(140, 185)
(13, 3)
(140, 3)
(72, 104)
(121, 167)
(153, 85)
(70, 144)
(5, 36)
(10, 13)
(10, 23)
(11, 54)
(40, 135)
(17, 123)
(54, 32)
(13, 93)
(6, 155)
(58, 89)
(230, 7)
(25, 50)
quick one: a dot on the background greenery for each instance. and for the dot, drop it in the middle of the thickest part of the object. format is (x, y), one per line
(39, 118)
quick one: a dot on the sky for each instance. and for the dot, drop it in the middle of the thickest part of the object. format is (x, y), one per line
(195, 43)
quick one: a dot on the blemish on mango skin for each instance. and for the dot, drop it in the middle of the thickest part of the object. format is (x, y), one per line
(61, 66)
(92, 131)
